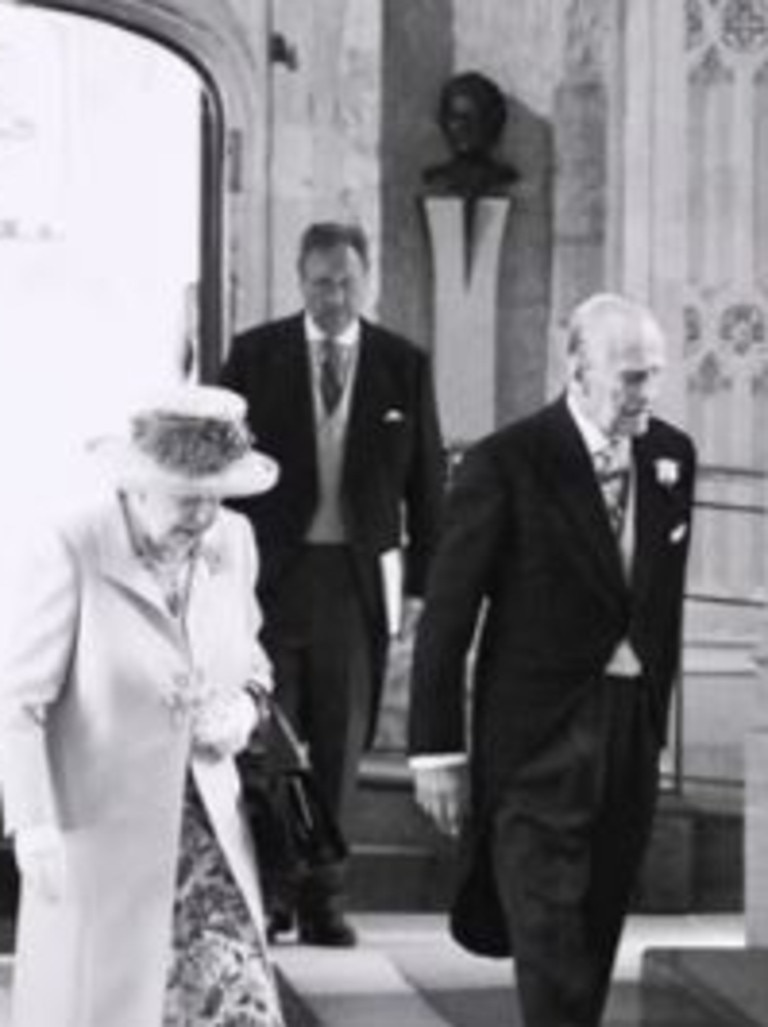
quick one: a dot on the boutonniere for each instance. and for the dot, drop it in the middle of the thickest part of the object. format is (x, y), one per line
(667, 472)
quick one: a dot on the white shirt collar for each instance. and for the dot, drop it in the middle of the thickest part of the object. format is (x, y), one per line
(594, 437)
(315, 334)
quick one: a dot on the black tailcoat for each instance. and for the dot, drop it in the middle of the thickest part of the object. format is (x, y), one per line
(392, 472)
(528, 553)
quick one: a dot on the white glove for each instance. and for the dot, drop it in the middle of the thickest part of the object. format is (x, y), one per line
(224, 724)
(42, 862)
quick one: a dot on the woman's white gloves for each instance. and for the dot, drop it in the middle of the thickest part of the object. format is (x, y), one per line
(42, 861)
(224, 723)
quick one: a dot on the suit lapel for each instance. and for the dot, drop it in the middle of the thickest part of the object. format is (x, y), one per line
(650, 518)
(573, 486)
(362, 407)
(289, 380)
(300, 375)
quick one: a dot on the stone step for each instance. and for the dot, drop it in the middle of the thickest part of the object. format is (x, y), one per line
(399, 860)
(400, 878)
(729, 985)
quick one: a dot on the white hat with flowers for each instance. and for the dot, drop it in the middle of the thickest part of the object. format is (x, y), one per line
(190, 439)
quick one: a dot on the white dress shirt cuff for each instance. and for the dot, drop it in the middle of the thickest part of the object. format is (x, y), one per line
(437, 760)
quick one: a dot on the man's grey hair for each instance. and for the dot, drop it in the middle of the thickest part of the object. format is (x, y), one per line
(603, 306)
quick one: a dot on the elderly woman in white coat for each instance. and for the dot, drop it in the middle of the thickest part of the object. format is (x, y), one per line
(133, 677)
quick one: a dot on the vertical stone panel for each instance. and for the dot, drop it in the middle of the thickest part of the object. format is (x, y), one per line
(465, 245)
(711, 245)
(581, 125)
(760, 179)
(325, 128)
(417, 58)
(521, 47)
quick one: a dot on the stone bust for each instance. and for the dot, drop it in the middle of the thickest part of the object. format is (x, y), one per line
(472, 114)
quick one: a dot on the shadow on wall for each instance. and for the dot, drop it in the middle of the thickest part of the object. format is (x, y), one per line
(416, 69)
(525, 276)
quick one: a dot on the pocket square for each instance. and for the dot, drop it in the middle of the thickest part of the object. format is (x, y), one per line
(394, 416)
(678, 533)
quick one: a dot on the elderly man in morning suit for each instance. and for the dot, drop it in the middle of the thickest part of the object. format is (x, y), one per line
(569, 531)
(348, 409)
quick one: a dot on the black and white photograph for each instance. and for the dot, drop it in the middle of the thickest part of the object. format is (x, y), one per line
(384, 543)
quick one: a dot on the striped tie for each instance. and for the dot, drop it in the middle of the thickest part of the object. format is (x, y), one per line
(331, 384)
(612, 471)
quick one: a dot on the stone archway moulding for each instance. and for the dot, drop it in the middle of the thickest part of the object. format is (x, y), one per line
(225, 43)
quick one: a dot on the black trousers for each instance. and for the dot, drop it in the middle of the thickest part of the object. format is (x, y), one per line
(320, 647)
(568, 842)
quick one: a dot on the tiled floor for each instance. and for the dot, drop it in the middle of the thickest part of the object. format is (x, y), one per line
(472, 992)
(408, 971)
(368, 986)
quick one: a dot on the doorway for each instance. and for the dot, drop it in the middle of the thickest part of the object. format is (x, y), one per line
(101, 143)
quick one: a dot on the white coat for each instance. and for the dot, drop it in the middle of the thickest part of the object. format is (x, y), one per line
(90, 743)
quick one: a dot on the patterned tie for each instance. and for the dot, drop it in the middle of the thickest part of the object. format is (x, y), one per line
(331, 383)
(612, 471)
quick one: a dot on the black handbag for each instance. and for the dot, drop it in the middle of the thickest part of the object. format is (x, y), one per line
(292, 827)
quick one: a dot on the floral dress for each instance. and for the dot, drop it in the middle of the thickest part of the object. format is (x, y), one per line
(220, 974)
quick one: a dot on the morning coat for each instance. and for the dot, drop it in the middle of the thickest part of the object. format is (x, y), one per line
(527, 541)
(391, 486)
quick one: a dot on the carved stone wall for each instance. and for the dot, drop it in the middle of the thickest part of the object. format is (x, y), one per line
(583, 115)
(686, 233)
(324, 126)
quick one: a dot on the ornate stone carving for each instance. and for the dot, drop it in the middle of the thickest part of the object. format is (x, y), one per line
(587, 28)
(711, 71)
(742, 327)
(694, 24)
(692, 330)
(760, 382)
(745, 24)
(709, 378)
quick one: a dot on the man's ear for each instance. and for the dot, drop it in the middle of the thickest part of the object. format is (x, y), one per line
(575, 367)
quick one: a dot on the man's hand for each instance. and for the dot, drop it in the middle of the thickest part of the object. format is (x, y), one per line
(441, 791)
(41, 859)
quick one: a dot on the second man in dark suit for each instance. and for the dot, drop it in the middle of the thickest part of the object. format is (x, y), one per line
(565, 541)
(347, 409)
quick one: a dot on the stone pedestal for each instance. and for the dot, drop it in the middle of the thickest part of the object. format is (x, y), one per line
(465, 239)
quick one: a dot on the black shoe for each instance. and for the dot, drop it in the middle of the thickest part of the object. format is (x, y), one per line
(281, 921)
(330, 931)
